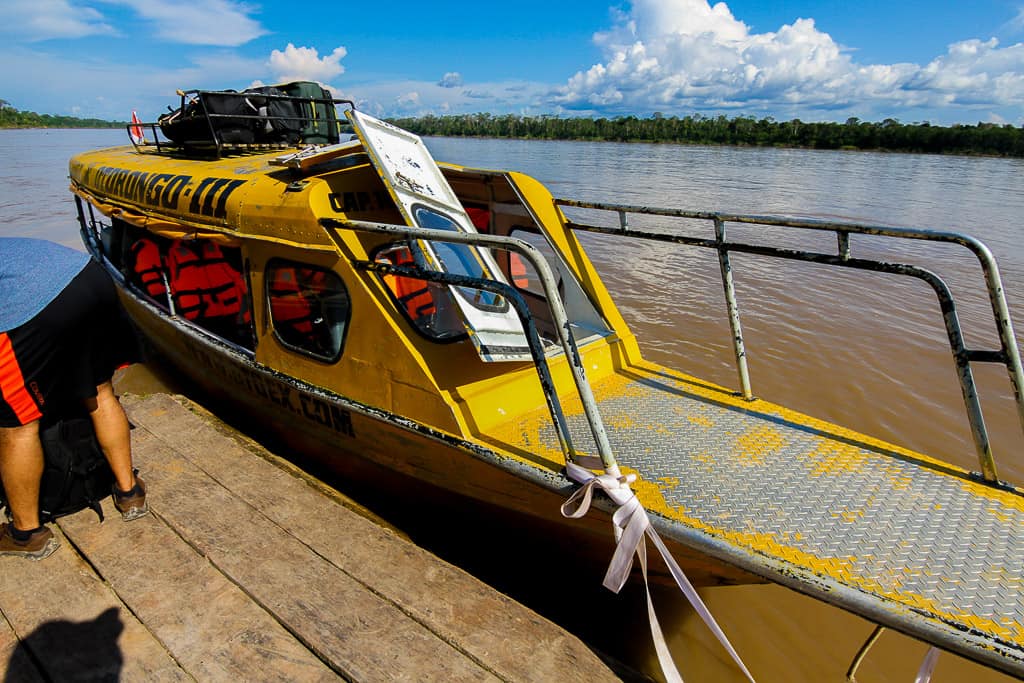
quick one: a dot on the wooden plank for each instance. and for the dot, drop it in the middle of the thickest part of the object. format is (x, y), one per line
(73, 626)
(361, 635)
(513, 641)
(209, 625)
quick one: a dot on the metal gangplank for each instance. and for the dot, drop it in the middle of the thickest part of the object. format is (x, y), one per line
(906, 541)
(900, 539)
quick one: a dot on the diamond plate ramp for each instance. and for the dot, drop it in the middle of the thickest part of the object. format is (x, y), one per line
(904, 540)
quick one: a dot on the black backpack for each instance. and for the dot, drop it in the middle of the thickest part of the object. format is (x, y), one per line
(76, 474)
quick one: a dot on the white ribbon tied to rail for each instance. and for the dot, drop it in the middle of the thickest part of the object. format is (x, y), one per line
(632, 526)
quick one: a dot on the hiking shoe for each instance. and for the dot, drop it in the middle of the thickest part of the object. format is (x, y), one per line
(131, 504)
(39, 545)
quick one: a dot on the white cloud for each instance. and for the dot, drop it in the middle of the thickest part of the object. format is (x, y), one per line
(452, 79)
(1016, 25)
(35, 20)
(419, 98)
(409, 101)
(305, 64)
(975, 72)
(688, 54)
(212, 22)
(72, 83)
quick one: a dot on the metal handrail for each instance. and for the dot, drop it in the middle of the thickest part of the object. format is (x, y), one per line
(1008, 355)
(555, 307)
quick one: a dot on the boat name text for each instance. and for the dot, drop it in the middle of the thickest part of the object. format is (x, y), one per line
(349, 202)
(207, 196)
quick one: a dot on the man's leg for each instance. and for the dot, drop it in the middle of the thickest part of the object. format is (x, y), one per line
(113, 433)
(21, 469)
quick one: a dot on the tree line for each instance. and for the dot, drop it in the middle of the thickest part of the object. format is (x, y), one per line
(13, 118)
(889, 135)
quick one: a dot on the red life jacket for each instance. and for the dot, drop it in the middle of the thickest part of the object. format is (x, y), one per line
(147, 267)
(517, 269)
(410, 292)
(204, 283)
(289, 309)
(481, 219)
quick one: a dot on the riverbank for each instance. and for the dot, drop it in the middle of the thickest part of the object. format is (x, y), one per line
(14, 118)
(982, 139)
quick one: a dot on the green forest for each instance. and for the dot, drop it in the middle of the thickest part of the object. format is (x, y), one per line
(854, 134)
(890, 135)
(13, 118)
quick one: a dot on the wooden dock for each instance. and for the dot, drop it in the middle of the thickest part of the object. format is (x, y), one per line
(248, 571)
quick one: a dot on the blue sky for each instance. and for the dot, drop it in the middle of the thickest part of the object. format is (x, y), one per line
(944, 61)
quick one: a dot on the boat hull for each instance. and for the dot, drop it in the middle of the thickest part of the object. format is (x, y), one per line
(388, 456)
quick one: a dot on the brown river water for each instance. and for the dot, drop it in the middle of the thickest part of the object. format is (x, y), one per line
(866, 351)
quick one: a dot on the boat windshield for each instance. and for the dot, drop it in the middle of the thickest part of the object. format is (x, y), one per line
(460, 259)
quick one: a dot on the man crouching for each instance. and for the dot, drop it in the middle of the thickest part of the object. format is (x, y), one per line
(61, 338)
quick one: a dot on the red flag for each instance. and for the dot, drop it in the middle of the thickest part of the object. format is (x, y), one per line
(136, 129)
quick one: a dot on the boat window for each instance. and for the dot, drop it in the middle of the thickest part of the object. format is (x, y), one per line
(522, 273)
(199, 280)
(427, 305)
(309, 308)
(460, 259)
(582, 313)
(208, 287)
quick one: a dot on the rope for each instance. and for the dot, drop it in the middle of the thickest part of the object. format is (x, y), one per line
(632, 526)
(924, 674)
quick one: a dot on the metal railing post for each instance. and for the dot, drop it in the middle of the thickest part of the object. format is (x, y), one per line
(738, 347)
(1008, 354)
(1004, 326)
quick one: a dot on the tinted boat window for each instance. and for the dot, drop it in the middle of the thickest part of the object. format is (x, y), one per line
(309, 308)
(582, 313)
(427, 305)
(460, 259)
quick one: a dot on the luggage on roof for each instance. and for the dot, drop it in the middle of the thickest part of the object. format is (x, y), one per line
(291, 113)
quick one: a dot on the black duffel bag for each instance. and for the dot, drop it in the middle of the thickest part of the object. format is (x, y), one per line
(280, 118)
(226, 114)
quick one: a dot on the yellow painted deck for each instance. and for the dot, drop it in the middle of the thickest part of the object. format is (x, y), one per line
(248, 571)
(901, 539)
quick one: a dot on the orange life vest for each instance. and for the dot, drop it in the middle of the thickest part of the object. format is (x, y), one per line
(517, 269)
(412, 293)
(291, 311)
(481, 219)
(204, 284)
(147, 267)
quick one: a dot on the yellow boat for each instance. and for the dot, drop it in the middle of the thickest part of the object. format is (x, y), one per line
(433, 327)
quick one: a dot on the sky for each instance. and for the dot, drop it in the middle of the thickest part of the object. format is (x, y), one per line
(941, 61)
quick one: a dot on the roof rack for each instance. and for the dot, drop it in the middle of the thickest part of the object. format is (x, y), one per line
(219, 122)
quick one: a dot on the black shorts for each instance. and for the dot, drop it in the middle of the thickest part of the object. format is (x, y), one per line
(58, 358)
